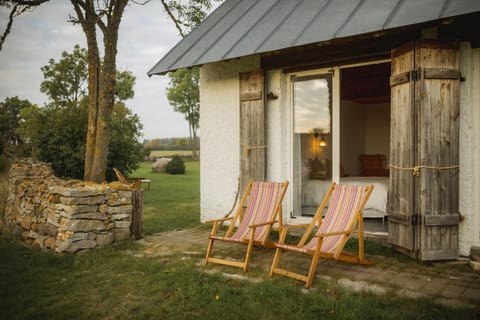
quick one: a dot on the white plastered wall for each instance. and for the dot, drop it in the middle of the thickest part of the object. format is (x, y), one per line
(469, 178)
(219, 122)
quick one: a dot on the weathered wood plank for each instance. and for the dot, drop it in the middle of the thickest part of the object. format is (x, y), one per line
(438, 136)
(252, 128)
(402, 134)
(441, 73)
(442, 220)
(136, 227)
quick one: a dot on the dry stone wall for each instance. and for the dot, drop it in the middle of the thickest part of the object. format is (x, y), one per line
(64, 215)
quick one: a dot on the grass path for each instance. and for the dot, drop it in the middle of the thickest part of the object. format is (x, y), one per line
(173, 201)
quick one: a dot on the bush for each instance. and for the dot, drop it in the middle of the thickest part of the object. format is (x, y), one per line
(176, 166)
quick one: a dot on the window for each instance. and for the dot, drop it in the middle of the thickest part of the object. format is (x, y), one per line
(312, 101)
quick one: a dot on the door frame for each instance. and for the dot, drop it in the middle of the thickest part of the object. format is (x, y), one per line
(291, 201)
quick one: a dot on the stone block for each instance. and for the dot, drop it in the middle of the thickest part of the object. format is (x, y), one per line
(28, 235)
(41, 229)
(104, 239)
(74, 192)
(122, 224)
(126, 209)
(26, 222)
(79, 245)
(77, 236)
(89, 216)
(40, 240)
(475, 265)
(475, 253)
(73, 209)
(82, 225)
(64, 235)
(93, 200)
(121, 216)
(50, 243)
(121, 234)
(119, 198)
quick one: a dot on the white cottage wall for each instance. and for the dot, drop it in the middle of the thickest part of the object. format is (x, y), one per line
(469, 179)
(219, 122)
(277, 133)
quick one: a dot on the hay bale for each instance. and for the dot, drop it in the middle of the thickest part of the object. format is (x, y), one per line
(160, 165)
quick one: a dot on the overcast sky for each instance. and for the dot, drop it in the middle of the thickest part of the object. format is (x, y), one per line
(145, 36)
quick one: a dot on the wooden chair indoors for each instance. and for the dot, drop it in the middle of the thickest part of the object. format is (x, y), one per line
(344, 212)
(264, 208)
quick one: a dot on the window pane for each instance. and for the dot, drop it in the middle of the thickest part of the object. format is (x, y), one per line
(311, 101)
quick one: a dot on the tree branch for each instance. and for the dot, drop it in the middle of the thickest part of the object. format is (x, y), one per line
(175, 20)
(17, 10)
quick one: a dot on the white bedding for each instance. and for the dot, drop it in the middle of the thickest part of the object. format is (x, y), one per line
(314, 191)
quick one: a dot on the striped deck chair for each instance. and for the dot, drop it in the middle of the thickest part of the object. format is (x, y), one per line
(343, 214)
(263, 210)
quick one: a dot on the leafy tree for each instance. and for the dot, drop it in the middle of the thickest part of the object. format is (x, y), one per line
(10, 141)
(125, 149)
(183, 95)
(65, 80)
(53, 135)
(105, 17)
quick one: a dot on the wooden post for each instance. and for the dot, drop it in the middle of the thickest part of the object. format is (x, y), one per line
(136, 227)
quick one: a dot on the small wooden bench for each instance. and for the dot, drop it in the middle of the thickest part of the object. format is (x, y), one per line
(148, 182)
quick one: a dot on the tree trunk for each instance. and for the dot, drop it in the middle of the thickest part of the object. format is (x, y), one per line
(101, 95)
(93, 89)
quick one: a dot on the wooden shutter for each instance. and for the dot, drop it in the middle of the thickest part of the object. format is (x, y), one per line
(437, 97)
(423, 208)
(401, 195)
(252, 128)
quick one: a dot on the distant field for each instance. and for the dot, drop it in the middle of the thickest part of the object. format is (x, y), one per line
(169, 153)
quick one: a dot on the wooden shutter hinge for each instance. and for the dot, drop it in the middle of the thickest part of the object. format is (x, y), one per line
(415, 74)
(415, 219)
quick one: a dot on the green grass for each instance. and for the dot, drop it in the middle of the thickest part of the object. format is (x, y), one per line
(173, 201)
(117, 283)
(109, 284)
(170, 153)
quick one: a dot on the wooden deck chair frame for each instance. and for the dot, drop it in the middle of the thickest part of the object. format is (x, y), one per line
(316, 253)
(134, 183)
(250, 241)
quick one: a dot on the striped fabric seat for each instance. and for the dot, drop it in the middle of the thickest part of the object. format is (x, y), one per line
(346, 203)
(264, 208)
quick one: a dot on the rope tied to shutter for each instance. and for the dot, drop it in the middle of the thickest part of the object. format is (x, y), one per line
(416, 169)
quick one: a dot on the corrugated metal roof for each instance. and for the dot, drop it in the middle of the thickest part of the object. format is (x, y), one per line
(243, 27)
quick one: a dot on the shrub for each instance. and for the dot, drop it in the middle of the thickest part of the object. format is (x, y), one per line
(176, 166)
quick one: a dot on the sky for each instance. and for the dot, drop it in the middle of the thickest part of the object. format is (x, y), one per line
(145, 36)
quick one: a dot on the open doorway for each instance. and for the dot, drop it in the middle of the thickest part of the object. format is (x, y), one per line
(365, 133)
(363, 126)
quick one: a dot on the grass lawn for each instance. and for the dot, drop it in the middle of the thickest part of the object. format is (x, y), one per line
(117, 283)
(173, 201)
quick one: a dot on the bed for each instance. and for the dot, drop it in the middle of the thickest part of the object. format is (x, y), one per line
(376, 206)
(373, 171)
